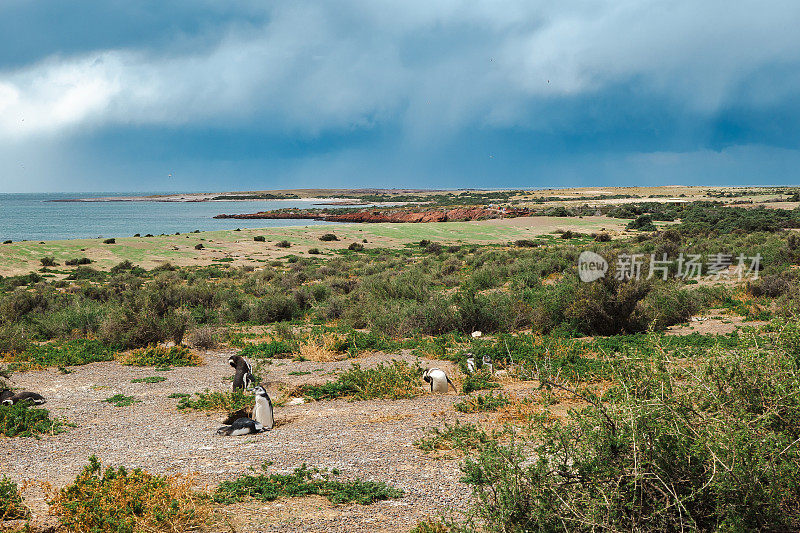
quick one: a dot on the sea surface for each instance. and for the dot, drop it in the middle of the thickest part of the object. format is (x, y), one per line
(37, 217)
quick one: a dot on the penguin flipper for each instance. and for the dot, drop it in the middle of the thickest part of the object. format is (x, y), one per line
(451, 383)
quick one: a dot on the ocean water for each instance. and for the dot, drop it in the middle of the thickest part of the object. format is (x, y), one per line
(37, 217)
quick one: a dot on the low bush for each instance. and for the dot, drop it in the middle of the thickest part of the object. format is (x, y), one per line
(283, 244)
(207, 400)
(304, 481)
(78, 261)
(70, 353)
(457, 436)
(712, 448)
(642, 223)
(161, 356)
(327, 237)
(198, 246)
(480, 380)
(48, 262)
(110, 241)
(314, 251)
(259, 238)
(120, 400)
(11, 504)
(267, 349)
(356, 247)
(23, 420)
(392, 381)
(203, 337)
(116, 500)
(482, 402)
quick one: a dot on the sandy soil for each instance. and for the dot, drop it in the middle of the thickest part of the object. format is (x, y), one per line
(371, 440)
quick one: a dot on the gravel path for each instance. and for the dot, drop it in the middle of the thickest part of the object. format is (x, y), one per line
(372, 440)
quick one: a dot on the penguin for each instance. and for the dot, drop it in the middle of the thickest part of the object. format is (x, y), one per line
(487, 363)
(470, 364)
(262, 412)
(244, 372)
(241, 426)
(6, 397)
(9, 398)
(438, 380)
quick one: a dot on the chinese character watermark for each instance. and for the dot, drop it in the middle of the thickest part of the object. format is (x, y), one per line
(714, 267)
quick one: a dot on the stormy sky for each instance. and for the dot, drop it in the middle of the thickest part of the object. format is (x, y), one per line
(244, 95)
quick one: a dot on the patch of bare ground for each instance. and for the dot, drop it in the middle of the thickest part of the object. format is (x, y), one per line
(370, 440)
(716, 322)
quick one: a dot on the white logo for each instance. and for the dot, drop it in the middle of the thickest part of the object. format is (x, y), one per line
(591, 266)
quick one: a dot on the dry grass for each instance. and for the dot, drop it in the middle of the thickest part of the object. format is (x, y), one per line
(121, 501)
(322, 348)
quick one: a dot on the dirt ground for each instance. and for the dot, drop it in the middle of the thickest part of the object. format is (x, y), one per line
(371, 440)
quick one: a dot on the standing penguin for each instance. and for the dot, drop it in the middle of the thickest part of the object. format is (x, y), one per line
(262, 417)
(244, 372)
(470, 364)
(438, 380)
(262, 412)
(487, 364)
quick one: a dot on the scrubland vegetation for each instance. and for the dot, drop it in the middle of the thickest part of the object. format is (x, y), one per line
(696, 432)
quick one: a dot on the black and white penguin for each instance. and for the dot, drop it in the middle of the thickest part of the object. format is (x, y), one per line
(241, 426)
(244, 372)
(9, 398)
(470, 364)
(6, 397)
(487, 364)
(262, 412)
(438, 380)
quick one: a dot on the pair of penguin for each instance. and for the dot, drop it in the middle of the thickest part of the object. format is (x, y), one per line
(243, 422)
(487, 364)
(8, 397)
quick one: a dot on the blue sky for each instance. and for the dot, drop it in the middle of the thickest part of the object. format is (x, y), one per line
(240, 95)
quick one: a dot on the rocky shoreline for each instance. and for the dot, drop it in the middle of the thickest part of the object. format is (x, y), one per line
(459, 214)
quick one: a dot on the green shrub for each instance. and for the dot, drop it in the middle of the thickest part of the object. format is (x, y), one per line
(122, 501)
(304, 481)
(120, 400)
(480, 380)
(699, 449)
(642, 223)
(274, 307)
(259, 238)
(207, 400)
(314, 251)
(392, 381)
(266, 349)
(198, 246)
(161, 356)
(24, 420)
(78, 261)
(328, 237)
(11, 504)
(482, 402)
(48, 261)
(70, 353)
(283, 244)
(110, 241)
(356, 247)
